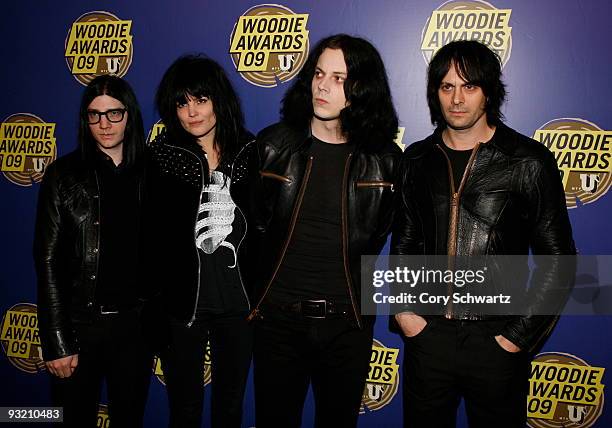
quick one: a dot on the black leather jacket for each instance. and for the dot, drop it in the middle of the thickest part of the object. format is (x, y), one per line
(367, 204)
(510, 201)
(172, 265)
(66, 242)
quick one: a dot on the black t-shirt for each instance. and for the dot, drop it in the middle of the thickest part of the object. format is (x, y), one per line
(219, 233)
(459, 160)
(118, 252)
(313, 266)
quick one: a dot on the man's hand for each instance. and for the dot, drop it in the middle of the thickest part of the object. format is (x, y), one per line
(506, 344)
(410, 323)
(63, 367)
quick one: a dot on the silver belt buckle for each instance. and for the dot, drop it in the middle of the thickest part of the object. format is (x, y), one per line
(103, 311)
(324, 314)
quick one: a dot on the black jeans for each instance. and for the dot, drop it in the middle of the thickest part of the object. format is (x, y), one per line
(112, 347)
(451, 359)
(292, 351)
(231, 343)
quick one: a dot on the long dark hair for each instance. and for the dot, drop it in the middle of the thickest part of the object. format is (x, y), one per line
(476, 64)
(133, 140)
(369, 119)
(199, 76)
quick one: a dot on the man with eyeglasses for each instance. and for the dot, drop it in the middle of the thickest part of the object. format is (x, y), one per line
(86, 254)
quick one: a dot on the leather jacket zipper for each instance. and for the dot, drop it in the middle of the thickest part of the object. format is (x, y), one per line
(246, 230)
(294, 216)
(347, 270)
(97, 196)
(375, 184)
(195, 308)
(275, 176)
(451, 246)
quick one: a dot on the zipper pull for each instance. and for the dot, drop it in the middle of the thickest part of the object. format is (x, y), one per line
(455, 198)
(254, 314)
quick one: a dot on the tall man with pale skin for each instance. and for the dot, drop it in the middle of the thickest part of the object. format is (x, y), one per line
(328, 97)
(327, 174)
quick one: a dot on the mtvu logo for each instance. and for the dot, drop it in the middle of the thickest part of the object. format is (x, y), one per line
(589, 182)
(576, 413)
(39, 164)
(375, 392)
(286, 62)
(112, 65)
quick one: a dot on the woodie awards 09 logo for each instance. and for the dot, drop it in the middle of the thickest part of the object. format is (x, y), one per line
(159, 372)
(27, 147)
(584, 156)
(269, 44)
(383, 380)
(468, 20)
(20, 338)
(102, 420)
(98, 43)
(564, 392)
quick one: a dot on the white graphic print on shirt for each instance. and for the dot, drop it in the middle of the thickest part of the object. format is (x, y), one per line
(215, 216)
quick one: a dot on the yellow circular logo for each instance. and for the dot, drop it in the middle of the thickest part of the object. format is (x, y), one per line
(19, 338)
(584, 156)
(269, 44)
(98, 43)
(27, 147)
(383, 378)
(468, 20)
(564, 392)
(159, 373)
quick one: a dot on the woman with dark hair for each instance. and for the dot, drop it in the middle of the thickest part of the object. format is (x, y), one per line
(197, 236)
(86, 255)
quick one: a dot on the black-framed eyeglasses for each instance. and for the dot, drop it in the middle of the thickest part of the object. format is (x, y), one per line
(113, 115)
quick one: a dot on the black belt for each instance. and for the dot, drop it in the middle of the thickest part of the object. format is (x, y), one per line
(317, 309)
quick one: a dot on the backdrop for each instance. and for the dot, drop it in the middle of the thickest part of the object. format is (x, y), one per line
(557, 62)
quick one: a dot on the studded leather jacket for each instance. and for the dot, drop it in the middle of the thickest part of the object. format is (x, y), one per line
(367, 204)
(172, 265)
(510, 201)
(66, 242)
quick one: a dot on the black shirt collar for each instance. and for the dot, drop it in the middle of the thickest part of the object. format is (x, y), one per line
(105, 161)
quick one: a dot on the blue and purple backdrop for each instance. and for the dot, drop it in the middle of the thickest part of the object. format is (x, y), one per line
(557, 60)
